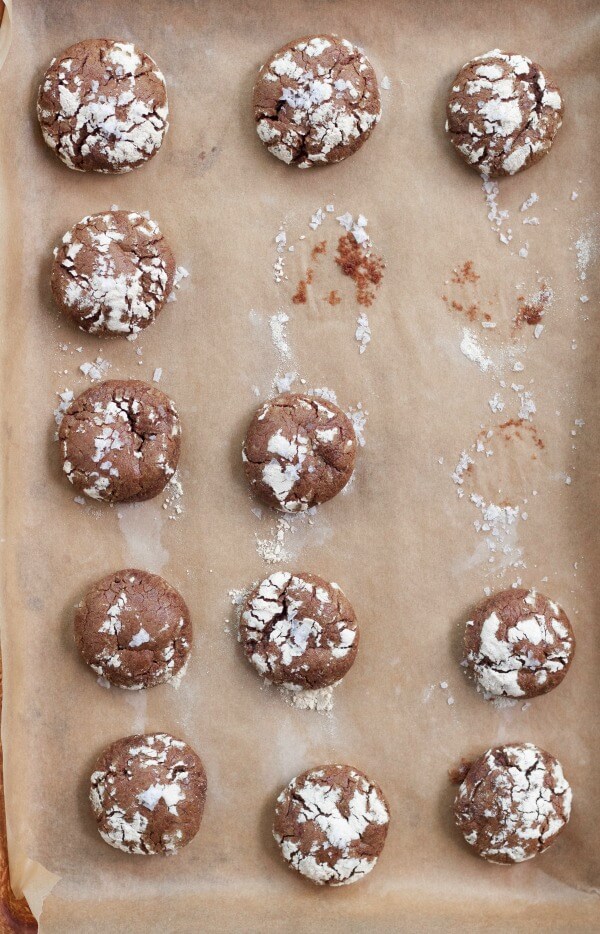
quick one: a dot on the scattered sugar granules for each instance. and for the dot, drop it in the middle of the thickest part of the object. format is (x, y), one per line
(585, 249)
(277, 323)
(181, 273)
(173, 496)
(496, 216)
(363, 332)
(473, 350)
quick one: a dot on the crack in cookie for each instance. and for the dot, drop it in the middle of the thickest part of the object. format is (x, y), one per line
(102, 106)
(503, 113)
(316, 101)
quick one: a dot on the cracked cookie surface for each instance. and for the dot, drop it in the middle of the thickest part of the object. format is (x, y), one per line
(513, 803)
(112, 273)
(316, 101)
(133, 629)
(147, 794)
(518, 644)
(331, 824)
(102, 106)
(502, 113)
(299, 631)
(120, 441)
(299, 451)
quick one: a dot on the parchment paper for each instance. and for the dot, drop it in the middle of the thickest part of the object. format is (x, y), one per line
(402, 542)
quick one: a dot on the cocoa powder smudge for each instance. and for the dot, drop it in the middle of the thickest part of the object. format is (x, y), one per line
(465, 273)
(365, 269)
(301, 294)
(532, 312)
(319, 248)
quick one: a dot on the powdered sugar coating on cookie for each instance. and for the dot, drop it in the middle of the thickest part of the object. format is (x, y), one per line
(299, 631)
(331, 824)
(102, 106)
(147, 794)
(513, 803)
(120, 441)
(503, 113)
(299, 451)
(112, 273)
(133, 629)
(316, 101)
(518, 644)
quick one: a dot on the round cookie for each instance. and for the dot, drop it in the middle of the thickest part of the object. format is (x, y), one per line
(503, 113)
(102, 106)
(299, 451)
(112, 273)
(147, 794)
(133, 629)
(316, 101)
(120, 441)
(513, 803)
(331, 824)
(518, 644)
(299, 631)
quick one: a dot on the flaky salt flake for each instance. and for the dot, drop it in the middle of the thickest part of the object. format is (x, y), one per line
(317, 219)
(524, 251)
(157, 375)
(95, 371)
(496, 404)
(574, 195)
(532, 221)
(533, 197)
(537, 331)
(583, 299)
(346, 221)
(385, 83)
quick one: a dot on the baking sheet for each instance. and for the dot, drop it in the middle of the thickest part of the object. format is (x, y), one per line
(402, 542)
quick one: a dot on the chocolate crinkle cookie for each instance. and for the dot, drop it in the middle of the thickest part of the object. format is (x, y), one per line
(299, 451)
(112, 273)
(147, 794)
(299, 631)
(513, 803)
(120, 441)
(102, 106)
(331, 824)
(133, 629)
(503, 113)
(518, 644)
(316, 101)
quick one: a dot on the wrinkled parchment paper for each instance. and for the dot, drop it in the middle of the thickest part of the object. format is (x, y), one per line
(402, 543)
